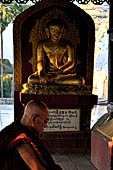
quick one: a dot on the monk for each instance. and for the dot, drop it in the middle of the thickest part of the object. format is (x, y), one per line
(20, 145)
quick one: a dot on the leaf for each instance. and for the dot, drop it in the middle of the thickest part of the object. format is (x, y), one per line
(9, 13)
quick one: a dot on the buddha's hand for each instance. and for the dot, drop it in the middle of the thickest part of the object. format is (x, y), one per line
(36, 73)
(43, 79)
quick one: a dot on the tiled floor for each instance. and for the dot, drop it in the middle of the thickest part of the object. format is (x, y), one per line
(66, 161)
(74, 161)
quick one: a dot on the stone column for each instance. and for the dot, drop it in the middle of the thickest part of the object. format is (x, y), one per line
(110, 55)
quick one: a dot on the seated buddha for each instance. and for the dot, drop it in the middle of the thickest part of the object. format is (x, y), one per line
(55, 59)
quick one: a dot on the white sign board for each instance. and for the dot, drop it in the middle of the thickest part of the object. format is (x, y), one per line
(63, 120)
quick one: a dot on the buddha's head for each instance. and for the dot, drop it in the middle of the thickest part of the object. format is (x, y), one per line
(55, 29)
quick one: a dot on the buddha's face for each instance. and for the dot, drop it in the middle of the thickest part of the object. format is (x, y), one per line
(56, 32)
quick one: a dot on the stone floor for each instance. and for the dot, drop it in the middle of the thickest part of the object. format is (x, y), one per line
(67, 161)
(74, 161)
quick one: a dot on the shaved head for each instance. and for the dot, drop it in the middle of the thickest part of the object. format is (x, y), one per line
(34, 108)
(33, 104)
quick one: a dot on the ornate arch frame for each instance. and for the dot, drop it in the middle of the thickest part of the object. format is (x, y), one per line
(45, 6)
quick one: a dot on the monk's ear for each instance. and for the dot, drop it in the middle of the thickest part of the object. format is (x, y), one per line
(33, 117)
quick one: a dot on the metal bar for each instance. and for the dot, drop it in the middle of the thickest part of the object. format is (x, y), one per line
(1, 58)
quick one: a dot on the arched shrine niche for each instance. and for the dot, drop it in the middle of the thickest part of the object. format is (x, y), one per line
(30, 29)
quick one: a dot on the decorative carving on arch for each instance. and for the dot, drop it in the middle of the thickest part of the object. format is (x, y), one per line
(96, 2)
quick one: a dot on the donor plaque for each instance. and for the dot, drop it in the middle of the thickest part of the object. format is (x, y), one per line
(63, 120)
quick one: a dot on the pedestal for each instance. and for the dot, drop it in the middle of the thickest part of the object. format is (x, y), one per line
(70, 139)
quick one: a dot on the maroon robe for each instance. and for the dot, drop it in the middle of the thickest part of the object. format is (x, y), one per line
(15, 135)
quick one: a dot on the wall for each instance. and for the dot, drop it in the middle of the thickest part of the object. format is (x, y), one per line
(100, 15)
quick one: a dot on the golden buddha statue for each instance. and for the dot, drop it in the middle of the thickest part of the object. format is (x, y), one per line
(55, 59)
